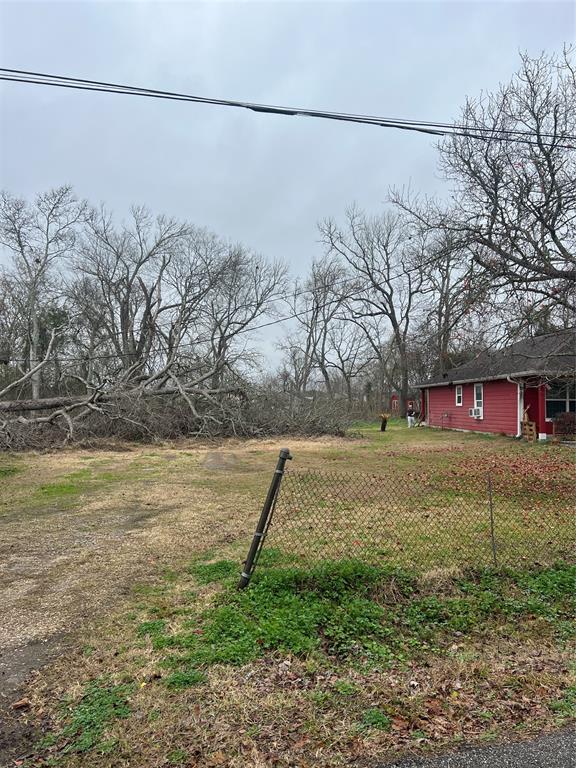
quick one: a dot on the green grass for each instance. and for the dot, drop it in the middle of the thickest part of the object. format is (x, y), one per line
(353, 613)
(177, 757)
(57, 490)
(185, 679)
(342, 619)
(86, 721)
(71, 485)
(376, 719)
(419, 505)
(206, 573)
(152, 628)
(8, 471)
(352, 635)
(345, 688)
(565, 707)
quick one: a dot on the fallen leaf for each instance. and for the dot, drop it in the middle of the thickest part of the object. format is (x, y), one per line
(434, 706)
(21, 704)
(399, 724)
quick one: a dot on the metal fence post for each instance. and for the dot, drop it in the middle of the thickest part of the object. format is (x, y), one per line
(260, 531)
(491, 508)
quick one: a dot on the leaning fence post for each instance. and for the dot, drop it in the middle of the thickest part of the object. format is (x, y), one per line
(491, 508)
(260, 531)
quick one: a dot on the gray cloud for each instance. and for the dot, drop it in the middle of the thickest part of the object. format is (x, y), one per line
(262, 179)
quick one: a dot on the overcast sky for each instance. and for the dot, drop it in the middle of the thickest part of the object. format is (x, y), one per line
(264, 180)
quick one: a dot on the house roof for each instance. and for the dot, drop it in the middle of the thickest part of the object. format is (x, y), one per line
(551, 354)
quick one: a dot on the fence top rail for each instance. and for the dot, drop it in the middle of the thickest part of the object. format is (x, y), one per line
(333, 474)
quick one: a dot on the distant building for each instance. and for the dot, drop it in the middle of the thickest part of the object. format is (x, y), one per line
(534, 379)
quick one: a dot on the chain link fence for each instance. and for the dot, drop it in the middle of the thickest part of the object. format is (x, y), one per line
(479, 521)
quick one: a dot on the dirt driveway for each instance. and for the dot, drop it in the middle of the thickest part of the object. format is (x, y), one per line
(81, 528)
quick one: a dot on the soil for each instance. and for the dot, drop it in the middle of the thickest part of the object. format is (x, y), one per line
(220, 461)
(17, 733)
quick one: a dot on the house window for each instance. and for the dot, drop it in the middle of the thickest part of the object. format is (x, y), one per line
(478, 395)
(459, 394)
(560, 397)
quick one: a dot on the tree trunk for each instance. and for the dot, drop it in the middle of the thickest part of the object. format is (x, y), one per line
(349, 392)
(403, 388)
(327, 381)
(36, 379)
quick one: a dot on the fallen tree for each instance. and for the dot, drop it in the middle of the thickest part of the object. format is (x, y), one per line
(254, 413)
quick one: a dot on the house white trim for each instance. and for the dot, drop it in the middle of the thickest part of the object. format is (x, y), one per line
(449, 382)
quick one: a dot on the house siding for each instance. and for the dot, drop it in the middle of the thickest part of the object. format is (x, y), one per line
(500, 408)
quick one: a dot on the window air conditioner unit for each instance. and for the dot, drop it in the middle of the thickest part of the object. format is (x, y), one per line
(475, 413)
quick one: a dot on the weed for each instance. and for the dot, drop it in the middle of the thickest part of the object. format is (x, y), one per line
(177, 757)
(375, 719)
(170, 575)
(345, 688)
(9, 471)
(566, 706)
(321, 698)
(150, 590)
(152, 628)
(345, 611)
(70, 485)
(184, 679)
(101, 704)
(56, 490)
(206, 573)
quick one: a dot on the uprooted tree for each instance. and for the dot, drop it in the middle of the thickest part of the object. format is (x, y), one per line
(105, 321)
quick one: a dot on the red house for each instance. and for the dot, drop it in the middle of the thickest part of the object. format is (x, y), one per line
(535, 377)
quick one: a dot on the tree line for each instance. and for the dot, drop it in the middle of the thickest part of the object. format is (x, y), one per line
(142, 326)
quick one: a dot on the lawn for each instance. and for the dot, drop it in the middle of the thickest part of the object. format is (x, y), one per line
(133, 554)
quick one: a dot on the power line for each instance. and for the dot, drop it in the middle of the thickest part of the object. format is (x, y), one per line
(290, 110)
(428, 127)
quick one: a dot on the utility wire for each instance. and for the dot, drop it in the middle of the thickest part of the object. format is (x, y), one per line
(428, 127)
(290, 110)
(206, 100)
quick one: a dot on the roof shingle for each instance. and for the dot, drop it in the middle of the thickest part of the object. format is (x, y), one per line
(552, 354)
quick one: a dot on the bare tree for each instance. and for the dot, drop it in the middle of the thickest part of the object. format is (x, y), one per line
(12, 326)
(154, 311)
(514, 196)
(39, 236)
(125, 268)
(317, 303)
(385, 253)
(248, 288)
(348, 353)
(458, 292)
(297, 361)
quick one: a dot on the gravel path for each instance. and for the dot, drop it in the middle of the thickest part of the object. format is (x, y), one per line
(555, 751)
